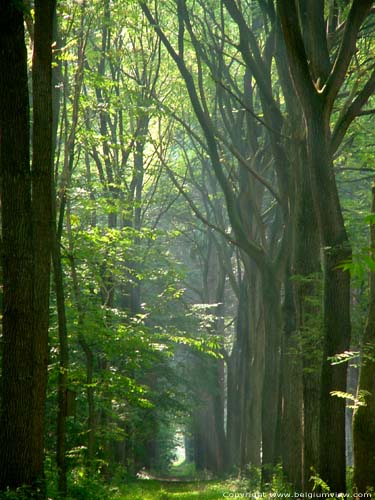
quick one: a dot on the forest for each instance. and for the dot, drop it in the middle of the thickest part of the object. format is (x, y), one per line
(187, 249)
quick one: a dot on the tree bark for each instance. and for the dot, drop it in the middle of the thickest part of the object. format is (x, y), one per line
(271, 383)
(27, 245)
(63, 370)
(42, 180)
(90, 393)
(317, 108)
(336, 303)
(364, 422)
(307, 297)
(18, 463)
(292, 394)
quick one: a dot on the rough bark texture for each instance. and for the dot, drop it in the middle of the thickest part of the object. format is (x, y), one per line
(27, 244)
(19, 464)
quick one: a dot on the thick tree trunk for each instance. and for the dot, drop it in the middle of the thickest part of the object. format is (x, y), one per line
(336, 300)
(364, 421)
(251, 322)
(271, 382)
(317, 98)
(19, 463)
(27, 227)
(307, 298)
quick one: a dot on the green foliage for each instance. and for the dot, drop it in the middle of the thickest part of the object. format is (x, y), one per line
(21, 493)
(159, 490)
(184, 470)
(318, 483)
(358, 400)
(344, 357)
(310, 333)
(82, 486)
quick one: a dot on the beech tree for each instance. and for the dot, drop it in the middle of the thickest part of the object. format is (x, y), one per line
(318, 82)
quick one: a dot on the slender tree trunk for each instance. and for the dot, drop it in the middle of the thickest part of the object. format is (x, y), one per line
(42, 179)
(292, 394)
(211, 397)
(63, 369)
(91, 419)
(60, 296)
(364, 420)
(233, 405)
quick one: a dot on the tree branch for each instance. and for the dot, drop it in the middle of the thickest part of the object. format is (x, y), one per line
(253, 251)
(296, 53)
(358, 13)
(352, 112)
(314, 30)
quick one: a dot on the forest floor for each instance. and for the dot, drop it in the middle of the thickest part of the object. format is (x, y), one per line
(177, 490)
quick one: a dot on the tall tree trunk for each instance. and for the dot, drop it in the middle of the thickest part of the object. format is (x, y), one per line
(307, 298)
(27, 226)
(317, 99)
(270, 398)
(233, 407)
(42, 179)
(90, 394)
(211, 446)
(245, 377)
(292, 394)
(63, 370)
(19, 464)
(62, 384)
(364, 417)
(336, 301)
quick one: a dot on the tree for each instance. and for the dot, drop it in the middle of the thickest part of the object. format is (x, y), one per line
(26, 222)
(363, 430)
(317, 84)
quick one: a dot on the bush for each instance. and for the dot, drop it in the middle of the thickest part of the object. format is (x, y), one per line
(82, 486)
(21, 493)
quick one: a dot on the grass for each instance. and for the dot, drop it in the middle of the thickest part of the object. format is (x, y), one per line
(175, 490)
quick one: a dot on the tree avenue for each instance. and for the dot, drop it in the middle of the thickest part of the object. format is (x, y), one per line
(187, 276)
